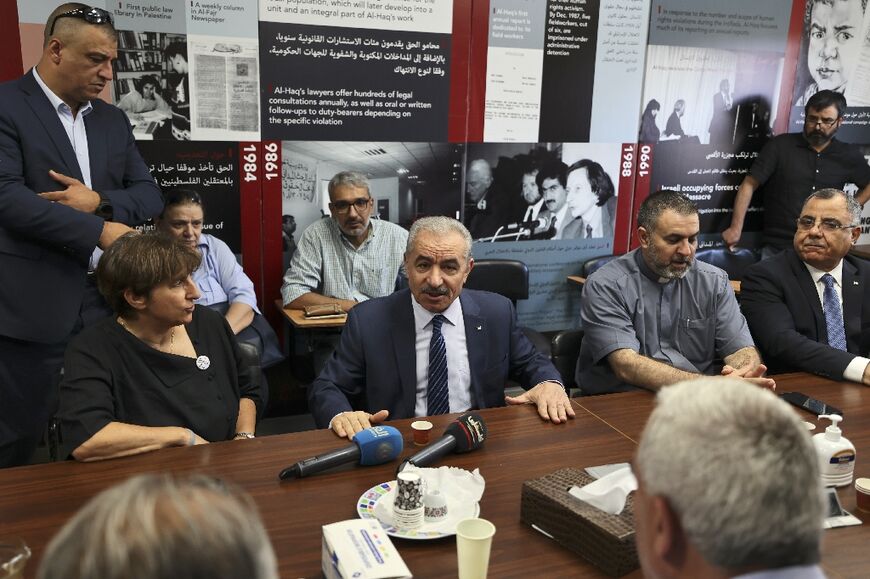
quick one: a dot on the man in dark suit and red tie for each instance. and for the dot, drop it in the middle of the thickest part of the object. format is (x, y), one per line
(71, 180)
(433, 349)
(808, 308)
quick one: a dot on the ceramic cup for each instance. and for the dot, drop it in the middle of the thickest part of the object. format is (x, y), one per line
(434, 507)
(422, 429)
(862, 494)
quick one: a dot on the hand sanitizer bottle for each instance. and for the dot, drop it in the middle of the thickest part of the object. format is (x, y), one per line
(836, 454)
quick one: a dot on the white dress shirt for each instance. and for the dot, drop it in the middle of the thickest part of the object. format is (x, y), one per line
(458, 371)
(854, 372)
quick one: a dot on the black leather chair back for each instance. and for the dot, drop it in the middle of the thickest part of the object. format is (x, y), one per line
(594, 264)
(564, 351)
(733, 262)
(507, 277)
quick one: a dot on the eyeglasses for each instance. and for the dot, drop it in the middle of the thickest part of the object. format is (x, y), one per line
(89, 15)
(813, 121)
(360, 204)
(829, 225)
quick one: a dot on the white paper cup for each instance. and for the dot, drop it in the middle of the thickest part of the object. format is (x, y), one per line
(473, 543)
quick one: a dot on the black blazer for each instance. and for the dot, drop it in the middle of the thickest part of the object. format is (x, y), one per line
(44, 246)
(781, 305)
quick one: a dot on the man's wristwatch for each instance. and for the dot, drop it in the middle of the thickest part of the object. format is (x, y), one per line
(104, 210)
(244, 435)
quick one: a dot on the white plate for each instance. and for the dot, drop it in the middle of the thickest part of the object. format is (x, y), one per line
(367, 502)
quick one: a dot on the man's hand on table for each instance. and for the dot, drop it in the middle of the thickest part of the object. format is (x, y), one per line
(347, 424)
(550, 398)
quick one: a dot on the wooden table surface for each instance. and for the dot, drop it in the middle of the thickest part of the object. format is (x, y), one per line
(845, 550)
(298, 319)
(35, 501)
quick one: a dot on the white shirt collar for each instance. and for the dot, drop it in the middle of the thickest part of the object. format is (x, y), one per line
(836, 273)
(423, 317)
(57, 102)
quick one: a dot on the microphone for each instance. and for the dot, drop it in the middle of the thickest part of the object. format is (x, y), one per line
(375, 445)
(535, 226)
(467, 433)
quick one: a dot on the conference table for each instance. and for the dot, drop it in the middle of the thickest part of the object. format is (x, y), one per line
(35, 501)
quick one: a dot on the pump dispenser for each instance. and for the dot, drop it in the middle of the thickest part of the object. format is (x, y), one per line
(835, 453)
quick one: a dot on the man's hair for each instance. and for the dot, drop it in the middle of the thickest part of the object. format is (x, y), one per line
(824, 99)
(176, 48)
(158, 527)
(140, 263)
(660, 201)
(440, 226)
(480, 167)
(552, 170)
(599, 180)
(66, 27)
(349, 178)
(738, 469)
(852, 206)
(679, 105)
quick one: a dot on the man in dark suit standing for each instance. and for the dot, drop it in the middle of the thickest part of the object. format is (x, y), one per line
(71, 180)
(434, 348)
(808, 308)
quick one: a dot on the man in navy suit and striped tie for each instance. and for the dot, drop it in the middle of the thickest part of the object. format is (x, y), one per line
(434, 348)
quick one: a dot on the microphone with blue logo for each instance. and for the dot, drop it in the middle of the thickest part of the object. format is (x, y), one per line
(375, 445)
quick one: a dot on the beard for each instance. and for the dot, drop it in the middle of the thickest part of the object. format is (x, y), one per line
(666, 268)
(817, 138)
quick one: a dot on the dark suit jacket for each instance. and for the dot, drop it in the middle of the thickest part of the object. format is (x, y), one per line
(376, 361)
(781, 305)
(44, 246)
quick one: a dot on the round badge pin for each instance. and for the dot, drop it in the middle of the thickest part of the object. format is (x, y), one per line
(202, 362)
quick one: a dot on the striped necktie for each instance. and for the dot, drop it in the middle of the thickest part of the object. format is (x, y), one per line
(437, 393)
(833, 315)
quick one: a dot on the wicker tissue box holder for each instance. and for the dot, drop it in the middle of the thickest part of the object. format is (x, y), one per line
(606, 541)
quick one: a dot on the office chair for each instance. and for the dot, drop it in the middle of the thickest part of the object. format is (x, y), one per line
(733, 262)
(509, 278)
(565, 349)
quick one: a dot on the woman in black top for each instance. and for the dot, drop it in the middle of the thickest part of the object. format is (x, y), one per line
(164, 372)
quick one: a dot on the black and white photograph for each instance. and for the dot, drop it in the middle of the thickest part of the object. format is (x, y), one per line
(149, 87)
(525, 192)
(708, 96)
(407, 180)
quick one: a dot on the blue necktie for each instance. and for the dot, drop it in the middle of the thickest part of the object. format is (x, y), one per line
(437, 393)
(833, 315)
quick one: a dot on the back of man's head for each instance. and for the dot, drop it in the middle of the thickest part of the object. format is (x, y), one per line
(736, 467)
(157, 527)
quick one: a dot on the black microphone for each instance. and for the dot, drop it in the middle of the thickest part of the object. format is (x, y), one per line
(467, 433)
(375, 445)
(534, 226)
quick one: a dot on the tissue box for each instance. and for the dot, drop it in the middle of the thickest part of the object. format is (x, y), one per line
(360, 548)
(606, 541)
